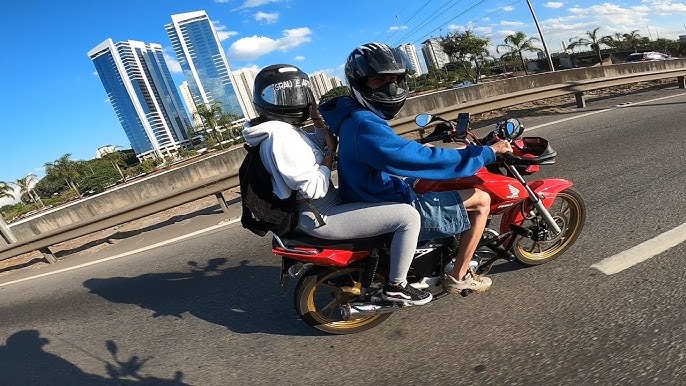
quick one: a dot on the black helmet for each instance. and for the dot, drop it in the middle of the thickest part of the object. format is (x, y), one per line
(282, 92)
(378, 59)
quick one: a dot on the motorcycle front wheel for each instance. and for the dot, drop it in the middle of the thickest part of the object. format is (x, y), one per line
(321, 292)
(569, 212)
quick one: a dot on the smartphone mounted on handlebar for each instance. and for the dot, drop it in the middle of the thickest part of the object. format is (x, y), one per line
(462, 126)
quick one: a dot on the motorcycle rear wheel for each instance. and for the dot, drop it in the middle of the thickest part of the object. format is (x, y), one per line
(321, 291)
(569, 211)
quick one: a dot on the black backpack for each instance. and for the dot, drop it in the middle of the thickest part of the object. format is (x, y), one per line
(263, 211)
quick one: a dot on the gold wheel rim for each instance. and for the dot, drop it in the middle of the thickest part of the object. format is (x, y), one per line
(339, 295)
(568, 217)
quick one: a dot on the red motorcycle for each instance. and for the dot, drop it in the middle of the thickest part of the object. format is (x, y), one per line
(340, 282)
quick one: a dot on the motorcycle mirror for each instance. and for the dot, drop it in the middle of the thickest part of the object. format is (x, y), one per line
(511, 129)
(423, 120)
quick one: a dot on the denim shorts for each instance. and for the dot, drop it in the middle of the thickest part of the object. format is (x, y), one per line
(443, 214)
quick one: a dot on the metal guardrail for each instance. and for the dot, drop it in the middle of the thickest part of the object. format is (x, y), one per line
(216, 185)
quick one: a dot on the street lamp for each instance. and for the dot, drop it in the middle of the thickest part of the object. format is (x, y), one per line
(545, 47)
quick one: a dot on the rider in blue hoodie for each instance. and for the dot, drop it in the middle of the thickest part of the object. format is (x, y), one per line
(371, 157)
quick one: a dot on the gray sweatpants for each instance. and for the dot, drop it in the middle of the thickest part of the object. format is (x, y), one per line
(362, 219)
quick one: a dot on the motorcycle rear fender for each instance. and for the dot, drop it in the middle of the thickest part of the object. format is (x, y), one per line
(546, 190)
(323, 257)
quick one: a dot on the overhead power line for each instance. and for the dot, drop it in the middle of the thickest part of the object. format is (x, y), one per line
(455, 17)
(408, 20)
(428, 19)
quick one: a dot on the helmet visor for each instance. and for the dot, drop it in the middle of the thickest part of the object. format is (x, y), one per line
(292, 92)
(382, 61)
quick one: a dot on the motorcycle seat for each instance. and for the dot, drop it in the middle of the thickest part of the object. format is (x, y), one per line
(299, 239)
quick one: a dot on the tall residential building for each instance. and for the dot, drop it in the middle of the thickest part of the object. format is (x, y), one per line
(190, 105)
(202, 59)
(433, 54)
(336, 81)
(320, 83)
(142, 92)
(245, 84)
(411, 51)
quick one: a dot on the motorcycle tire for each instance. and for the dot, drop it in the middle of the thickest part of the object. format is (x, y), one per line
(321, 291)
(569, 211)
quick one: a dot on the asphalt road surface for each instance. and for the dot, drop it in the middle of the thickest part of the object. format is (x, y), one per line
(207, 309)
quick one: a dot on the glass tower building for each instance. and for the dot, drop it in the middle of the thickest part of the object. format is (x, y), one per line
(143, 95)
(202, 59)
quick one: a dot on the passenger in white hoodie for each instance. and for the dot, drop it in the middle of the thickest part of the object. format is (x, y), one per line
(302, 161)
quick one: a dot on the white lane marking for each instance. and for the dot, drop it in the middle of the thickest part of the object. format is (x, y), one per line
(149, 247)
(642, 252)
(601, 111)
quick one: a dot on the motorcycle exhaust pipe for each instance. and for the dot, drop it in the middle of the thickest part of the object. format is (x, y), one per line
(357, 311)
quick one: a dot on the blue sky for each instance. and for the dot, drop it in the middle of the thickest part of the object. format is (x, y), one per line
(53, 103)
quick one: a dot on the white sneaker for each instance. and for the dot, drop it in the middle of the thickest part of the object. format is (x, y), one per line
(474, 283)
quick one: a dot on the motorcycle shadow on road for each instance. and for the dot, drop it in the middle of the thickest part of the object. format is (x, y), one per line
(245, 299)
(24, 362)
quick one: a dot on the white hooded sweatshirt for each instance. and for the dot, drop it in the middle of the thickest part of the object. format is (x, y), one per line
(292, 157)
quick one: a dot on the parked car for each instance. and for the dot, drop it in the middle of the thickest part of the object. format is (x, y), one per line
(646, 56)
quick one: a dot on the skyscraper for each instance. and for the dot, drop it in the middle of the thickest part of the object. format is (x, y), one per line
(411, 52)
(433, 54)
(143, 95)
(202, 59)
(245, 83)
(190, 105)
(320, 83)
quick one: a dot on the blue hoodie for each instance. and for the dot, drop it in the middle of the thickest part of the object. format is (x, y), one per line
(371, 156)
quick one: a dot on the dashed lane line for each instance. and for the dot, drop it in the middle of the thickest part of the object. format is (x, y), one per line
(642, 252)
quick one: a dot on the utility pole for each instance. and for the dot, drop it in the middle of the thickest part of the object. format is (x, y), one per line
(545, 47)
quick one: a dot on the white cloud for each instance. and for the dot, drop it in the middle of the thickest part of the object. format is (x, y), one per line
(95, 73)
(222, 1)
(554, 4)
(267, 18)
(508, 8)
(506, 32)
(256, 3)
(397, 27)
(512, 23)
(253, 47)
(299, 58)
(665, 7)
(221, 31)
(172, 63)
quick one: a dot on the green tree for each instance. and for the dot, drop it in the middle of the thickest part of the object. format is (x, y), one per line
(25, 188)
(633, 40)
(516, 44)
(117, 159)
(334, 92)
(593, 40)
(469, 50)
(210, 115)
(6, 190)
(65, 168)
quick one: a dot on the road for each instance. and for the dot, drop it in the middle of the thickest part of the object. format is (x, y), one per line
(207, 309)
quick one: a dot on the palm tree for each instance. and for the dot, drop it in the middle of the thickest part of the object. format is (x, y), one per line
(116, 158)
(6, 190)
(633, 39)
(64, 167)
(210, 114)
(24, 185)
(593, 40)
(516, 44)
